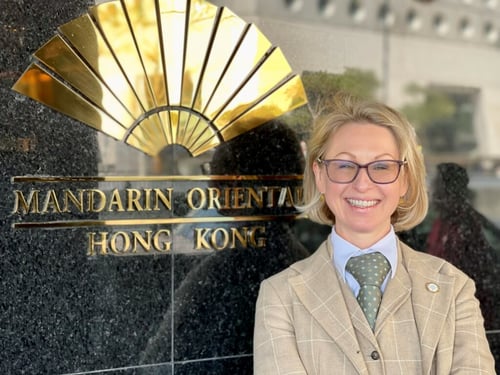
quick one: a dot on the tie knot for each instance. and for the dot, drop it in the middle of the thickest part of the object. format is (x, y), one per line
(369, 269)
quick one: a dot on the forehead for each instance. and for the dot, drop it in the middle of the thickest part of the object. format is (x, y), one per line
(363, 131)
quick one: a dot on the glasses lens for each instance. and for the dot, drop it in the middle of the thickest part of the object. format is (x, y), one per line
(342, 170)
(384, 171)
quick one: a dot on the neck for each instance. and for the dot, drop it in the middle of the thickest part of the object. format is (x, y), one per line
(362, 240)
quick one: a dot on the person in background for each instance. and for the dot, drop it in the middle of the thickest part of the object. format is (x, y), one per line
(364, 302)
(458, 234)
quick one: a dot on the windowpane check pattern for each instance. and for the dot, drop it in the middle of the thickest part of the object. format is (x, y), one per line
(345, 171)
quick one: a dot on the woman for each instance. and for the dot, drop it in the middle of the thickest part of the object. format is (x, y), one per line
(365, 176)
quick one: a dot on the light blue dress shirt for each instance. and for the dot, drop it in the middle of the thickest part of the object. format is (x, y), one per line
(344, 250)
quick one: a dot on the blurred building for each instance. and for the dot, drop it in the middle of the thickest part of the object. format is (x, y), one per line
(450, 44)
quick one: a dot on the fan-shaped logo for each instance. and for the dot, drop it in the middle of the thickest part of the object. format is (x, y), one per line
(153, 73)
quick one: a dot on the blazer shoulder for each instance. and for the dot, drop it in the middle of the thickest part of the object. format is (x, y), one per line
(305, 266)
(426, 263)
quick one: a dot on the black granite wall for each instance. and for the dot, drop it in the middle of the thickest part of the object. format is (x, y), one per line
(63, 311)
(48, 292)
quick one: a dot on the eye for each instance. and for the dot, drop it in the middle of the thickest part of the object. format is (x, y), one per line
(344, 164)
(382, 165)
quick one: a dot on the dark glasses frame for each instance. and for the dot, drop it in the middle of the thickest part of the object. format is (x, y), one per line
(358, 166)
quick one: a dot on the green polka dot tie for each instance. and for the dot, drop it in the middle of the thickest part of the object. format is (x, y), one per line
(369, 270)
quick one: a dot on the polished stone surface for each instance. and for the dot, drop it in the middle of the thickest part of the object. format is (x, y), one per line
(65, 312)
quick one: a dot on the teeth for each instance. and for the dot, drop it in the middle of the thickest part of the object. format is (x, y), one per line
(362, 204)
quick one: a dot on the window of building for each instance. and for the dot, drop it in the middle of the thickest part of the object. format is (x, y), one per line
(327, 7)
(357, 11)
(294, 5)
(413, 20)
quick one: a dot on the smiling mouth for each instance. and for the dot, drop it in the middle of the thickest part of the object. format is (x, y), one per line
(361, 203)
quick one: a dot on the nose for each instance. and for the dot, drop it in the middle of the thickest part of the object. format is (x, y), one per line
(362, 180)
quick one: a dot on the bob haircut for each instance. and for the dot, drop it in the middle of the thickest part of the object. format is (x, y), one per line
(346, 109)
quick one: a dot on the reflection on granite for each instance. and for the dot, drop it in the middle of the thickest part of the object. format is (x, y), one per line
(459, 235)
(494, 340)
(214, 303)
(61, 311)
(454, 230)
(64, 312)
(240, 365)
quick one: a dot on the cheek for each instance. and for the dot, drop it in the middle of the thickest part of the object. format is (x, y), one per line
(394, 195)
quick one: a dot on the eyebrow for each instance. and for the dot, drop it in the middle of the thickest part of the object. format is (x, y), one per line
(378, 157)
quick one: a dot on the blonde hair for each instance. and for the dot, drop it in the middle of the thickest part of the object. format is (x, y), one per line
(348, 109)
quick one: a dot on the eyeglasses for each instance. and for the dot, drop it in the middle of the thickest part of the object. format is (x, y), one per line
(345, 171)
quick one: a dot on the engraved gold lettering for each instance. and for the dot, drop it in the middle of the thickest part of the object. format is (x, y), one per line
(103, 242)
(196, 198)
(243, 197)
(116, 200)
(147, 200)
(238, 196)
(166, 200)
(121, 243)
(201, 242)
(162, 235)
(254, 196)
(271, 190)
(240, 234)
(219, 239)
(133, 196)
(141, 241)
(92, 200)
(51, 202)
(23, 206)
(298, 197)
(77, 202)
(257, 236)
(227, 199)
(286, 197)
(96, 200)
(213, 198)
(230, 238)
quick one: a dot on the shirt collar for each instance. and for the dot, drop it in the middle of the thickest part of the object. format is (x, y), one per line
(344, 250)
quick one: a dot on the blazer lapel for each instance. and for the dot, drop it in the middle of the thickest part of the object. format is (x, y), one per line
(358, 317)
(319, 289)
(431, 294)
(397, 292)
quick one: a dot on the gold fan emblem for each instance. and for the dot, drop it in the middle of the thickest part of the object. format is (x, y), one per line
(153, 73)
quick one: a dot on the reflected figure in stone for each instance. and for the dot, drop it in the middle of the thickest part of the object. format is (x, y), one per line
(213, 315)
(459, 235)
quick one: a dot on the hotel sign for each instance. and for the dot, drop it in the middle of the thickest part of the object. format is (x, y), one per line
(216, 213)
(151, 74)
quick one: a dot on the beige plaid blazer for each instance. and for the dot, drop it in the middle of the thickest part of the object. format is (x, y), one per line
(308, 322)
